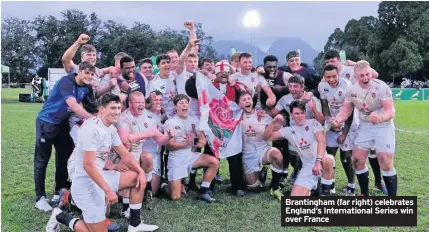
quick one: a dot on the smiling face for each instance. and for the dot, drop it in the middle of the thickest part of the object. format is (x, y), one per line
(191, 64)
(182, 108)
(90, 57)
(246, 103)
(296, 90)
(146, 69)
(294, 64)
(270, 68)
(128, 70)
(222, 77)
(85, 76)
(174, 58)
(298, 115)
(331, 77)
(156, 102)
(164, 68)
(246, 64)
(110, 113)
(363, 76)
(136, 104)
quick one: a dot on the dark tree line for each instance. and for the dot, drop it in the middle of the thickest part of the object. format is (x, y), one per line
(396, 43)
(30, 47)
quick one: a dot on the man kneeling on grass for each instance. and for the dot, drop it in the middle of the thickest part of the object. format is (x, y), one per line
(309, 140)
(93, 188)
(185, 152)
(256, 150)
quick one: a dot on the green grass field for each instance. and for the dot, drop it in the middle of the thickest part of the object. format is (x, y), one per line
(255, 212)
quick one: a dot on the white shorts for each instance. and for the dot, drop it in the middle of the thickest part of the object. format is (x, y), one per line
(331, 139)
(156, 157)
(252, 161)
(90, 198)
(380, 137)
(179, 166)
(306, 178)
(71, 165)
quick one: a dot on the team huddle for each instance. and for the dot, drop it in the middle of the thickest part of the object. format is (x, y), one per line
(125, 136)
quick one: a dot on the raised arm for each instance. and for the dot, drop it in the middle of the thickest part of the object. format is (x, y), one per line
(192, 35)
(67, 58)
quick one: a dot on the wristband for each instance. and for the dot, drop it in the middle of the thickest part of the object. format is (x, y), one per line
(319, 159)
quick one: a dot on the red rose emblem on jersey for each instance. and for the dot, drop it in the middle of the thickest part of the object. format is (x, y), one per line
(221, 113)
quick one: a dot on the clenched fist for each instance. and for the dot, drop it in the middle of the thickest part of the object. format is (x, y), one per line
(189, 25)
(83, 39)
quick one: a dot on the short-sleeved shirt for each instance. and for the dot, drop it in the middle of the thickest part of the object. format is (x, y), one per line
(55, 110)
(251, 81)
(253, 131)
(180, 85)
(95, 136)
(348, 73)
(105, 81)
(138, 84)
(285, 101)
(334, 96)
(135, 125)
(183, 127)
(168, 89)
(154, 121)
(303, 139)
(369, 100)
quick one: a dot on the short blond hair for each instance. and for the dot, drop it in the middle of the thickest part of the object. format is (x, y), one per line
(362, 64)
(135, 94)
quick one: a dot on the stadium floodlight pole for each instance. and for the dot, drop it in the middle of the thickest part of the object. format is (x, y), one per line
(252, 20)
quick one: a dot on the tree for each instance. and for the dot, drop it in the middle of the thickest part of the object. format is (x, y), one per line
(335, 40)
(17, 45)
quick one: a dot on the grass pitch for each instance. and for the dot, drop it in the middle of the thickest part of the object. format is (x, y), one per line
(255, 212)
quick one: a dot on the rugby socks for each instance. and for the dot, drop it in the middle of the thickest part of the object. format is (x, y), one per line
(391, 180)
(373, 161)
(204, 187)
(326, 186)
(347, 165)
(125, 203)
(135, 214)
(363, 179)
(276, 176)
(67, 220)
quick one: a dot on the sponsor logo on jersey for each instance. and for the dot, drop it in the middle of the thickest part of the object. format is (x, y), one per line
(326, 90)
(373, 95)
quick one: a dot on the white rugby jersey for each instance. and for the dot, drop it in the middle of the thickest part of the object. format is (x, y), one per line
(303, 139)
(348, 73)
(286, 100)
(153, 120)
(168, 89)
(253, 131)
(183, 127)
(251, 81)
(369, 100)
(95, 136)
(135, 125)
(180, 84)
(335, 96)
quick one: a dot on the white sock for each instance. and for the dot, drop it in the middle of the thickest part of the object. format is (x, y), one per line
(149, 176)
(136, 206)
(205, 184)
(285, 171)
(327, 182)
(72, 222)
(351, 185)
(276, 170)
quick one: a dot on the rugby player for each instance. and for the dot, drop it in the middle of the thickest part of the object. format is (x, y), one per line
(373, 99)
(133, 127)
(332, 96)
(253, 81)
(256, 150)
(93, 188)
(183, 156)
(308, 138)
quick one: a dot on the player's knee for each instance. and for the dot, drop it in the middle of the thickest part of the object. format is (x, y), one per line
(213, 162)
(328, 161)
(276, 156)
